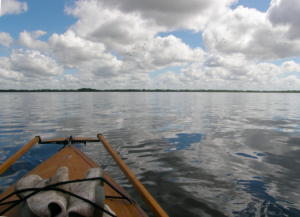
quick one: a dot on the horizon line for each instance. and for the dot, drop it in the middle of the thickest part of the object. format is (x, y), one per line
(140, 90)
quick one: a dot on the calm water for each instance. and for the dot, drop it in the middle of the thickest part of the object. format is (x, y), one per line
(199, 154)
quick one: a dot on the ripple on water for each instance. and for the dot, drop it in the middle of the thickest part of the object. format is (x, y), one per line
(198, 154)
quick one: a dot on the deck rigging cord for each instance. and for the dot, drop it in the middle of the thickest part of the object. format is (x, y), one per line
(69, 140)
(52, 187)
(111, 184)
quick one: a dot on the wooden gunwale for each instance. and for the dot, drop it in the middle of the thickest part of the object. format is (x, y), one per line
(139, 187)
(77, 167)
(18, 154)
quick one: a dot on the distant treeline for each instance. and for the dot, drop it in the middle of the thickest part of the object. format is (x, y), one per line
(151, 90)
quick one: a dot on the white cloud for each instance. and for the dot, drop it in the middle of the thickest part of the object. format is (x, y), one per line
(13, 7)
(28, 40)
(232, 72)
(5, 39)
(110, 26)
(73, 51)
(290, 66)
(103, 68)
(251, 33)
(168, 79)
(171, 51)
(34, 64)
(69, 78)
(7, 73)
(132, 21)
(150, 56)
(28, 69)
(140, 81)
(115, 44)
(239, 68)
(289, 83)
(71, 82)
(29, 83)
(95, 57)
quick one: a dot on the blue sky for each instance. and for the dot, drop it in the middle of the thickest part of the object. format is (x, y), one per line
(209, 44)
(44, 15)
(261, 5)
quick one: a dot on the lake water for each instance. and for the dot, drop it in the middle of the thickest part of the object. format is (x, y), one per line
(198, 154)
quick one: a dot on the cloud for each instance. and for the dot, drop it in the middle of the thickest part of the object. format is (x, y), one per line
(103, 68)
(131, 21)
(238, 68)
(140, 79)
(243, 30)
(168, 78)
(171, 51)
(116, 44)
(232, 72)
(29, 83)
(136, 81)
(69, 78)
(249, 32)
(146, 56)
(6, 73)
(73, 51)
(33, 64)
(13, 7)
(290, 66)
(28, 40)
(172, 14)
(5, 39)
(110, 26)
(286, 13)
(28, 69)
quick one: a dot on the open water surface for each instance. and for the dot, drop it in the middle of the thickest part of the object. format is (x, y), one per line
(198, 154)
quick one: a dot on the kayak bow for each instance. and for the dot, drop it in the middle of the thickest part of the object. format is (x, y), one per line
(78, 163)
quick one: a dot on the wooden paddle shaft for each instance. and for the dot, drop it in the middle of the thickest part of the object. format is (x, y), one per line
(146, 196)
(18, 154)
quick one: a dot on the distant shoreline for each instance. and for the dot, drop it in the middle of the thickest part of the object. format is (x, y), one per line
(151, 90)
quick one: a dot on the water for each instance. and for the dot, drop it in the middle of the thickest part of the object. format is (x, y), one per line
(198, 154)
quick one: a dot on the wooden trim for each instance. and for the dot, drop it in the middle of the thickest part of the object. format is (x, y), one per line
(18, 154)
(142, 191)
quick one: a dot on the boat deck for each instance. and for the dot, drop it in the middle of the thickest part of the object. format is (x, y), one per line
(77, 167)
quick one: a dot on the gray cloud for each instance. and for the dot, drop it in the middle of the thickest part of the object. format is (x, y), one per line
(286, 13)
(173, 14)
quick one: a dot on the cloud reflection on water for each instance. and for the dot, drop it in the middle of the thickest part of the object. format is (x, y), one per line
(203, 151)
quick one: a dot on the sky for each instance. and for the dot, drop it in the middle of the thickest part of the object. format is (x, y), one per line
(157, 44)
